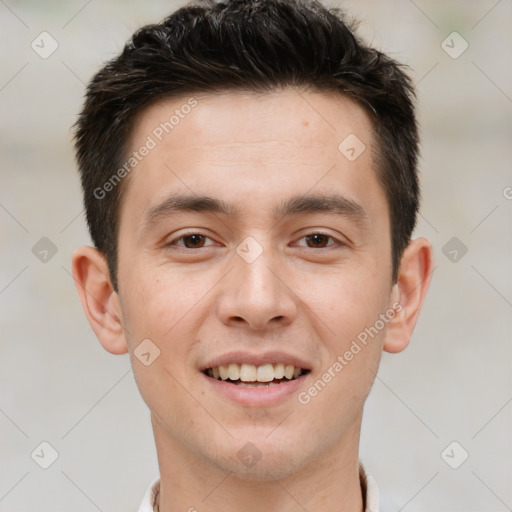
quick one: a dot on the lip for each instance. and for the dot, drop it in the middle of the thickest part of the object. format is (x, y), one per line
(239, 357)
(256, 397)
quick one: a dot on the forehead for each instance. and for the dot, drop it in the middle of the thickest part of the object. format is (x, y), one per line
(288, 115)
(246, 145)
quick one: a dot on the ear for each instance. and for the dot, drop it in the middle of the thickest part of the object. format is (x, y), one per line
(99, 300)
(408, 293)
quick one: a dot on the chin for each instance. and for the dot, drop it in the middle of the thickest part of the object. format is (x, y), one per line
(262, 460)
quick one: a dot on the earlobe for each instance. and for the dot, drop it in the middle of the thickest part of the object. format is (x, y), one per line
(99, 300)
(409, 293)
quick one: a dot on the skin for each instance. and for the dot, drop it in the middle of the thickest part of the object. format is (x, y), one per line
(301, 296)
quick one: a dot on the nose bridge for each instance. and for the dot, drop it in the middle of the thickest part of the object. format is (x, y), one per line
(254, 272)
(255, 292)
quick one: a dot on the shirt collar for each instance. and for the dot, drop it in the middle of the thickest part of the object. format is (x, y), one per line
(368, 486)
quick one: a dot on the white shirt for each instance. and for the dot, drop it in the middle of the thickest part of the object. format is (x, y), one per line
(368, 485)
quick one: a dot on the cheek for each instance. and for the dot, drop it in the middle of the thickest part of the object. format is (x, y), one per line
(349, 302)
(343, 383)
(161, 318)
(156, 332)
(353, 335)
(161, 388)
(159, 303)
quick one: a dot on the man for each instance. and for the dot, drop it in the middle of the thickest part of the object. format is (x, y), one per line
(249, 171)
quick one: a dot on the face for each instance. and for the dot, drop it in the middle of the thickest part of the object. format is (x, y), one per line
(250, 242)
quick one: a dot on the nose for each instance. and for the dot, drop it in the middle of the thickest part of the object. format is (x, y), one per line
(257, 294)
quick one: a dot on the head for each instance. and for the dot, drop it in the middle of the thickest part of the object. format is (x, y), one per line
(256, 46)
(249, 171)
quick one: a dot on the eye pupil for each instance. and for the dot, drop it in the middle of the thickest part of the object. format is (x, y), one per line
(318, 239)
(195, 239)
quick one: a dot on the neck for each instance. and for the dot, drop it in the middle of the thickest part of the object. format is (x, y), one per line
(329, 483)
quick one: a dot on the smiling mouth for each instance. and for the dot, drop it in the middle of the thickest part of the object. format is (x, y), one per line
(251, 376)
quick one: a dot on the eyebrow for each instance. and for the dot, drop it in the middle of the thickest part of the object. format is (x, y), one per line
(333, 204)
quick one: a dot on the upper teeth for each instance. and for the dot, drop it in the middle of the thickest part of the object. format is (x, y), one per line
(251, 373)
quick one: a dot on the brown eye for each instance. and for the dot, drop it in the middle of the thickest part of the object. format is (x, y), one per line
(317, 240)
(193, 241)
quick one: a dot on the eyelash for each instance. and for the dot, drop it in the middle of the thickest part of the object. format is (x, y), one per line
(182, 237)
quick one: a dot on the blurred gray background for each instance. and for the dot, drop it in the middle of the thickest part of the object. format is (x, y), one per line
(447, 397)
